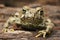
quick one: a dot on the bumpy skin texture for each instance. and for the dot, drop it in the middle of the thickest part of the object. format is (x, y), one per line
(49, 27)
(32, 20)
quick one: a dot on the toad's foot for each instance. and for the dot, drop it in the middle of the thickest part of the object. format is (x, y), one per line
(43, 32)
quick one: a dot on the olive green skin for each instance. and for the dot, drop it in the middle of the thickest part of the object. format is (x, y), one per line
(31, 24)
(32, 27)
(38, 21)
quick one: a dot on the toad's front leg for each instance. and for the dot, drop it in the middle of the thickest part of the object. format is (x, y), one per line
(42, 32)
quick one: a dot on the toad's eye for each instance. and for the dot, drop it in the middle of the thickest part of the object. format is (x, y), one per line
(24, 10)
(46, 21)
(41, 12)
(16, 16)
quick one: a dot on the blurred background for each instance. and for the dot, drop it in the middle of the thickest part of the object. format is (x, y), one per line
(19, 3)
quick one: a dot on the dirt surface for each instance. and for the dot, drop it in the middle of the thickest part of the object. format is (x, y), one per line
(53, 13)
